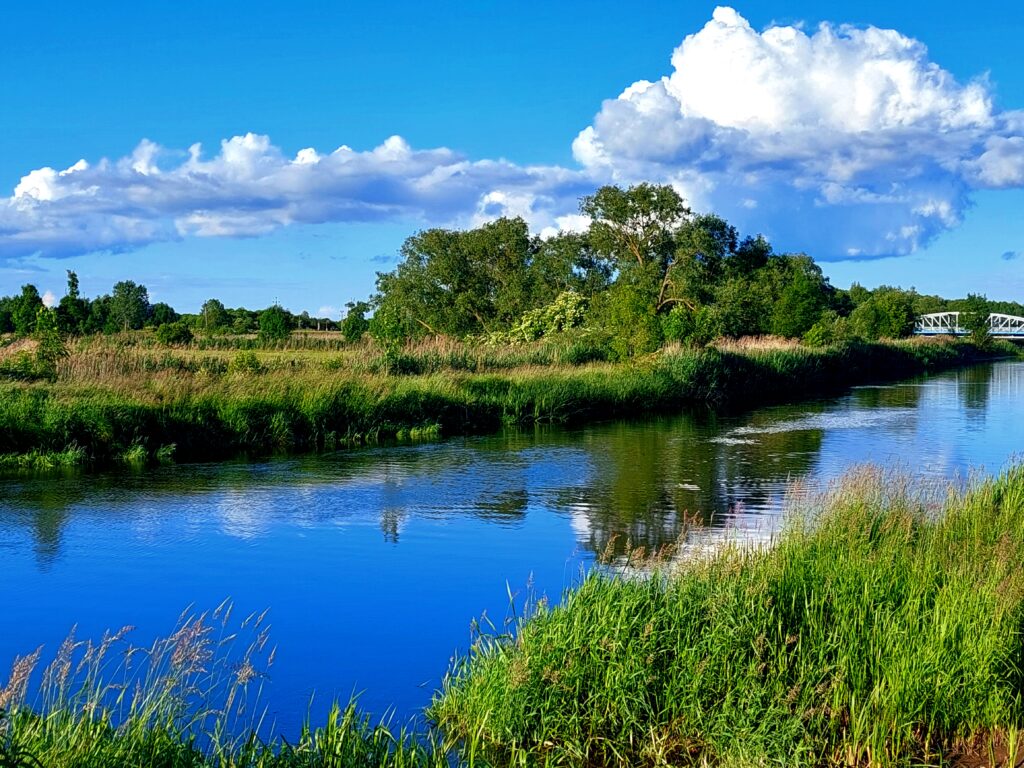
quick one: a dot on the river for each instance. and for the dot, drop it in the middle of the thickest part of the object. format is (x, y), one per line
(374, 562)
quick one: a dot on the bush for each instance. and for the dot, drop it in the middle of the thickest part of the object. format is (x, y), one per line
(176, 333)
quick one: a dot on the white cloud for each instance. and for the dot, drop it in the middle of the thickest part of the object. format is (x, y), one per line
(251, 188)
(845, 142)
(49, 299)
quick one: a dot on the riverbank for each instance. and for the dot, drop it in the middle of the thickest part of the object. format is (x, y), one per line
(135, 407)
(883, 628)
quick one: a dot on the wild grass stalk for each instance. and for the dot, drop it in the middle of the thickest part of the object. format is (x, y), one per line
(882, 629)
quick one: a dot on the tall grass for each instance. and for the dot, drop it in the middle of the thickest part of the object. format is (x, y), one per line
(101, 410)
(191, 699)
(883, 629)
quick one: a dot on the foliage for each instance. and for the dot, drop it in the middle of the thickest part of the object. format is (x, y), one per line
(567, 311)
(214, 316)
(25, 310)
(129, 306)
(174, 333)
(886, 313)
(355, 323)
(49, 344)
(974, 317)
(274, 324)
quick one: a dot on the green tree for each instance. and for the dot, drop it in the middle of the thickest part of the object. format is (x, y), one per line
(26, 310)
(129, 306)
(73, 310)
(458, 283)
(98, 319)
(804, 295)
(214, 316)
(275, 323)
(974, 314)
(355, 323)
(49, 344)
(7, 314)
(635, 226)
(162, 314)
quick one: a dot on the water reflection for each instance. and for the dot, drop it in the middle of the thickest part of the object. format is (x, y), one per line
(620, 483)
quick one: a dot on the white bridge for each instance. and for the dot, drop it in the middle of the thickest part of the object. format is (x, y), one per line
(948, 324)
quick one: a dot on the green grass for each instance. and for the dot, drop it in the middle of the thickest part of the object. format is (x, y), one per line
(252, 405)
(880, 630)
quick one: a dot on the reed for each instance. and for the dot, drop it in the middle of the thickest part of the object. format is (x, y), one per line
(882, 629)
(117, 399)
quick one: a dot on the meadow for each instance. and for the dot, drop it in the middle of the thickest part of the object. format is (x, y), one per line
(882, 628)
(126, 398)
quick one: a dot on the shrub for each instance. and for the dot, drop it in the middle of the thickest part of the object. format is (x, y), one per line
(176, 333)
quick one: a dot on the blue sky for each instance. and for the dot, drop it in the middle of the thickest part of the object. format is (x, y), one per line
(923, 164)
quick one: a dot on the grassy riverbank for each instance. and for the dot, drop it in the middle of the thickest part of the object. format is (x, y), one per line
(118, 401)
(883, 629)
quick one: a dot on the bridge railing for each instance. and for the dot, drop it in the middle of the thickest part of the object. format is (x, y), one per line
(948, 324)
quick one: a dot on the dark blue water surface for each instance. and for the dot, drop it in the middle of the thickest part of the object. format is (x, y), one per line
(374, 562)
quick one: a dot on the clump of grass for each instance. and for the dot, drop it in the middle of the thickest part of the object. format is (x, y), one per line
(41, 460)
(188, 700)
(883, 630)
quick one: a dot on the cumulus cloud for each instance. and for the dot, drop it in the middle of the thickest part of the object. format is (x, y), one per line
(251, 188)
(845, 142)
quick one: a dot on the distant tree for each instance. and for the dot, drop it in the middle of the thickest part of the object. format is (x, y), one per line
(214, 316)
(458, 283)
(885, 313)
(73, 310)
(26, 309)
(162, 314)
(49, 345)
(635, 226)
(7, 314)
(355, 323)
(750, 255)
(274, 323)
(129, 305)
(98, 320)
(177, 333)
(974, 317)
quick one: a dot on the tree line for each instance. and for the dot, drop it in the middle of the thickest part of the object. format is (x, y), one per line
(127, 307)
(646, 272)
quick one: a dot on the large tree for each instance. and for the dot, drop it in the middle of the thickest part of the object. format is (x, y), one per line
(129, 306)
(457, 283)
(26, 309)
(73, 310)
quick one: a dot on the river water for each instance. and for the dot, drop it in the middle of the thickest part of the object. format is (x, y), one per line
(374, 562)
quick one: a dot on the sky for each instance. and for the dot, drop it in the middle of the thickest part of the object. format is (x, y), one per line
(260, 152)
